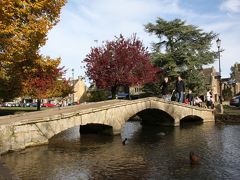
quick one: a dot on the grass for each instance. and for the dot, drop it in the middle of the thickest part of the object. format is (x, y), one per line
(230, 110)
(16, 110)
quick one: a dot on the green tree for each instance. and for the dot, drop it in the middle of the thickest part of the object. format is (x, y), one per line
(182, 49)
(227, 94)
(98, 95)
(234, 71)
(195, 81)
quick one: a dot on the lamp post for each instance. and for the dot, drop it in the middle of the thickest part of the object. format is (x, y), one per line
(73, 85)
(218, 41)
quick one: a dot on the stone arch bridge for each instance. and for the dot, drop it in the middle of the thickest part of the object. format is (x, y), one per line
(35, 128)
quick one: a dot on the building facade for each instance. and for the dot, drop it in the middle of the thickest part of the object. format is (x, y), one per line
(212, 81)
(80, 90)
(236, 78)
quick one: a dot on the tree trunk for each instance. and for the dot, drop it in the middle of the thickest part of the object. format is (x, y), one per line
(114, 91)
(38, 104)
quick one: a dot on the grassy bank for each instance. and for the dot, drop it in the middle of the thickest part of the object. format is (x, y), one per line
(230, 110)
(231, 115)
(16, 110)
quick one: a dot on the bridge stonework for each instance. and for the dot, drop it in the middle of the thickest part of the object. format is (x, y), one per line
(31, 132)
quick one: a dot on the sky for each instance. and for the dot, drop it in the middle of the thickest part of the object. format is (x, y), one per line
(88, 23)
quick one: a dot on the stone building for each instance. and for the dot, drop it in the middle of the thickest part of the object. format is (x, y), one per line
(136, 90)
(212, 81)
(236, 78)
(80, 90)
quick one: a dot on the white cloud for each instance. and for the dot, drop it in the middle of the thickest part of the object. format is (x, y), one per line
(231, 6)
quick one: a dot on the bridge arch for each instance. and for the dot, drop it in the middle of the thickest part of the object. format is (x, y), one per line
(152, 116)
(191, 119)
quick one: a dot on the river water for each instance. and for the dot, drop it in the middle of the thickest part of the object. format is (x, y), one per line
(150, 153)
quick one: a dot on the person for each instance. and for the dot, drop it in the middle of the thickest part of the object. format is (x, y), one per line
(180, 89)
(198, 101)
(165, 90)
(212, 99)
(209, 97)
(190, 97)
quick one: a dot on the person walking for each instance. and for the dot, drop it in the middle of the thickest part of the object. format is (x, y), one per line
(180, 89)
(165, 90)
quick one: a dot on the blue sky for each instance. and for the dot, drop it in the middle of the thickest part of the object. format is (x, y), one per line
(83, 22)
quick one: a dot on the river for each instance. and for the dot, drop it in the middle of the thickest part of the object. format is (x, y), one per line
(150, 153)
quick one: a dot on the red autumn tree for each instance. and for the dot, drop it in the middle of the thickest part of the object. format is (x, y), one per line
(120, 62)
(45, 80)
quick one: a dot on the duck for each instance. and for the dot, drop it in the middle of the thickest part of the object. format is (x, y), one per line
(194, 159)
(124, 141)
(162, 134)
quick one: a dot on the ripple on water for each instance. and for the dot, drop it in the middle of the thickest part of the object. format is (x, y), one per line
(145, 156)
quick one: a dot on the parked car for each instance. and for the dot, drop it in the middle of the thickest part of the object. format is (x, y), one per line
(33, 105)
(48, 105)
(73, 103)
(235, 101)
(120, 95)
(9, 104)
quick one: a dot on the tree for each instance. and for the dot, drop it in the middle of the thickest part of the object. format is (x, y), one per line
(23, 30)
(227, 93)
(181, 49)
(46, 80)
(195, 81)
(120, 62)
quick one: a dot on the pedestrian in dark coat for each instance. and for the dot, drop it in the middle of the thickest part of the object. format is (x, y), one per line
(180, 89)
(165, 89)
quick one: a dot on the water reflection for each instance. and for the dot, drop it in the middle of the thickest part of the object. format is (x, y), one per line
(150, 153)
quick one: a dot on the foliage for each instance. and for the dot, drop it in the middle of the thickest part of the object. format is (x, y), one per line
(97, 95)
(195, 81)
(120, 62)
(182, 49)
(44, 80)
(227, 94)
(24, 25)
(234, 72)
(23, 30)
(152, 88)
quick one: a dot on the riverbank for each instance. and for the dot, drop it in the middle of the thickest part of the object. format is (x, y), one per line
(231, 115)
